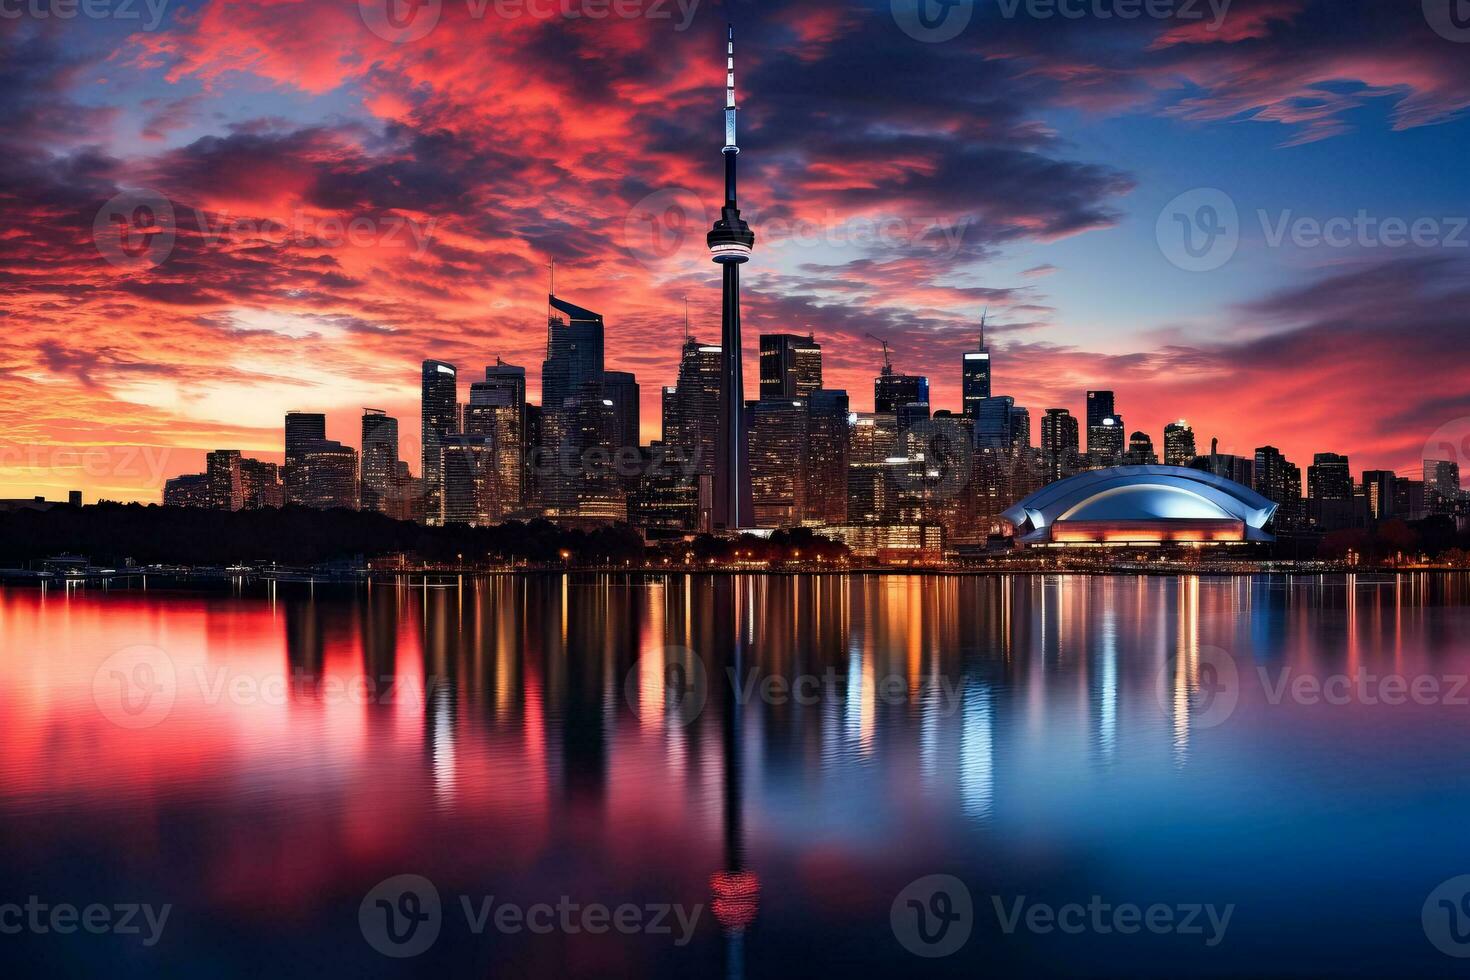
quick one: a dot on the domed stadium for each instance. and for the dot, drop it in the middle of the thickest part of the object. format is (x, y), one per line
(1130, 505)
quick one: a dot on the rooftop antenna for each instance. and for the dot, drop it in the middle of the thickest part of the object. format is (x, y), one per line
(686, 318)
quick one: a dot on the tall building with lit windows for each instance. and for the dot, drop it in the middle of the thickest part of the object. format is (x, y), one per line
(379, 483)
(1105, 441)
(829, 428)
(790, 365)
(1442, 485)
(574, 353)
(439, 407)
(226, 483)
(1179, 446)
(302, 429)
(1330, 503)
(329, 475)
(471, 481)
(778, 460)
(1059, 443)
(975, 377)
(1280, 480)
(691, 407)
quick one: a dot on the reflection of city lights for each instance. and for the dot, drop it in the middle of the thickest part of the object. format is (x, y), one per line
(735, 899)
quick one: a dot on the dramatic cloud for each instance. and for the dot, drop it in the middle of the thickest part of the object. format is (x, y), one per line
(296, 209)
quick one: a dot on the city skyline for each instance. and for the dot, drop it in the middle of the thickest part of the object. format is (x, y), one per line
(999, 196)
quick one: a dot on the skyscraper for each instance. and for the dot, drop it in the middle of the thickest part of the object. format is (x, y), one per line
(1330, 504)
(1280, 480)
(1020, 427)
(505, 388)
(1105, 432)
(691, 408)
(1442, 479)
(791, 365)
(440, 416)
(1099, 406)
(1379, 489)
(302, 429)
(260, 485)
(226, 484)
(993, 423)
(329, 475)
(621, 388)
(574, 343)
(829, 430)
(1178, 444)
(893, 391)
(471, 486)
(730, 243)
(501, 376)
(1105, 441)
(1329, 477)
(379, 483)
(1059, 443)
(778, 470)
(975, 376)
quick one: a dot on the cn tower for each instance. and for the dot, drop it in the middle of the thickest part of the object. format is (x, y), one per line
(730, 244)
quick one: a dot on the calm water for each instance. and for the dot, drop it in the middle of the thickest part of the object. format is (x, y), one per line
(260, 763)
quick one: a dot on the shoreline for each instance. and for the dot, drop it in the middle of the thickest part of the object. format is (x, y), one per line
(139, 580)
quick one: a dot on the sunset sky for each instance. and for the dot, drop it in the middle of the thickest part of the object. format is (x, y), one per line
(348, 199)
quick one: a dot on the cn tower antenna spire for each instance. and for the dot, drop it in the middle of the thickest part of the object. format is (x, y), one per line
(732, 148)
(730, 244)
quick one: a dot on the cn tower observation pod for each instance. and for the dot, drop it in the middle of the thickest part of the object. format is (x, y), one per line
(1126, 505)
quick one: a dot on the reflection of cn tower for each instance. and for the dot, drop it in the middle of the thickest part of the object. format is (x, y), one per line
(735, 892)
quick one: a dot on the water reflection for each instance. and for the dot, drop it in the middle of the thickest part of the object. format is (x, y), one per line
(518, 736)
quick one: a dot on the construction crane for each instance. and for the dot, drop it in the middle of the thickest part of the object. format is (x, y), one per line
(887, 362)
